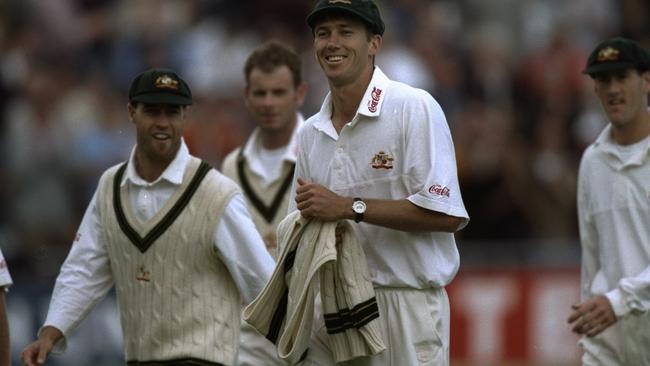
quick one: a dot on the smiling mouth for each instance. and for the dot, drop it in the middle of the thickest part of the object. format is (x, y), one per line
(615, 107)
(160, 136)
(334, 59)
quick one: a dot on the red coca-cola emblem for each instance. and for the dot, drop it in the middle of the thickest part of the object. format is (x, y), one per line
(374, 102)
(439, 190)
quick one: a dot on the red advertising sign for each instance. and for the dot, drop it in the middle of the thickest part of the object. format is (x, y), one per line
(502, 316)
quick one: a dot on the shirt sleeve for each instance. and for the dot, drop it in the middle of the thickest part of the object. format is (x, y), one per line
(84, 279)
(431, 160)
(632, 295)
(242, 250)
(301, 170)
(590, 265)
(5, 277)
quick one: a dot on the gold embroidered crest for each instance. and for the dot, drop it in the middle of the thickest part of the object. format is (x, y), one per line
(608, 54)
(166, 82)
(143, 275)
(382, 160)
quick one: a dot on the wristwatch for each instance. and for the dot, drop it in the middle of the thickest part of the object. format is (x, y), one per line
(359, 207)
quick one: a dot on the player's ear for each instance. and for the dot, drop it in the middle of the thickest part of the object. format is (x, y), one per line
(645, 76)
(375, 44)
(131, 110)
(245, 95)
(301, 92)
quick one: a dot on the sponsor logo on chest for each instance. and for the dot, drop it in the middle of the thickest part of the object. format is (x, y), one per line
(382, 160)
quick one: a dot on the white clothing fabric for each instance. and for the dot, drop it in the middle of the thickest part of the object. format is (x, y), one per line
(266, 171)
(414, 322)
(263, 209)
(284, 310)
(5, 277)
(176, 297)
(255, 349)
(398, 146)
(614, 218)
(255, 156)
(271, 163)
(86, 277)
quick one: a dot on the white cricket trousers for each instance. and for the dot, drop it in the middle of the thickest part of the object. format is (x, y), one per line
(625, 343)
(255, 349)
(414, 324)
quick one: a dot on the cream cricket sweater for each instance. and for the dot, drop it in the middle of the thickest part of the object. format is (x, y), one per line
(177, 299)
(267, 205)
(284, 310)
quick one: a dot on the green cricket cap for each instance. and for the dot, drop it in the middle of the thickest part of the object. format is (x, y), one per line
(365, 9)
(617, 54)
(160, 86)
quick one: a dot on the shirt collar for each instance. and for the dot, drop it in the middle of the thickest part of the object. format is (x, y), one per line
(172, 174)
(373, 100)
(605, 143)
(370, 105)
(252, 149)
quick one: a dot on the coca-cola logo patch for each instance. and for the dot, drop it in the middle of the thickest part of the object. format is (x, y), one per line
(439, 190)
(375, 95)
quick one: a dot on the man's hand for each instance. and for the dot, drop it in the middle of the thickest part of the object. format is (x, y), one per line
(315, 201)
(592, 316)
(36, 353)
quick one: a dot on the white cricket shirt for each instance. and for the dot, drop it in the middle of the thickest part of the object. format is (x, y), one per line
(86, 276)
(5, 277)
(614, 219)
(398, 146)
(258, 161)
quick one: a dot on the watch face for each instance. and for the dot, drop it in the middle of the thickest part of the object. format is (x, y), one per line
(359, 206)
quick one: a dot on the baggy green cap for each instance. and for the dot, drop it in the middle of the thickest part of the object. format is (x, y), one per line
(617, 54)
(160, 86)
(365, 9)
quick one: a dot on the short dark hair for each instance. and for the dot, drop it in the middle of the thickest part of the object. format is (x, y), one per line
(271, 55)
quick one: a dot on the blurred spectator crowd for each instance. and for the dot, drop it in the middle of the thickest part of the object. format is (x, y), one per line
(506, 72)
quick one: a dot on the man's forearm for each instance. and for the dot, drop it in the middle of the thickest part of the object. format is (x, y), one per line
(51, 334)
(405, 216)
